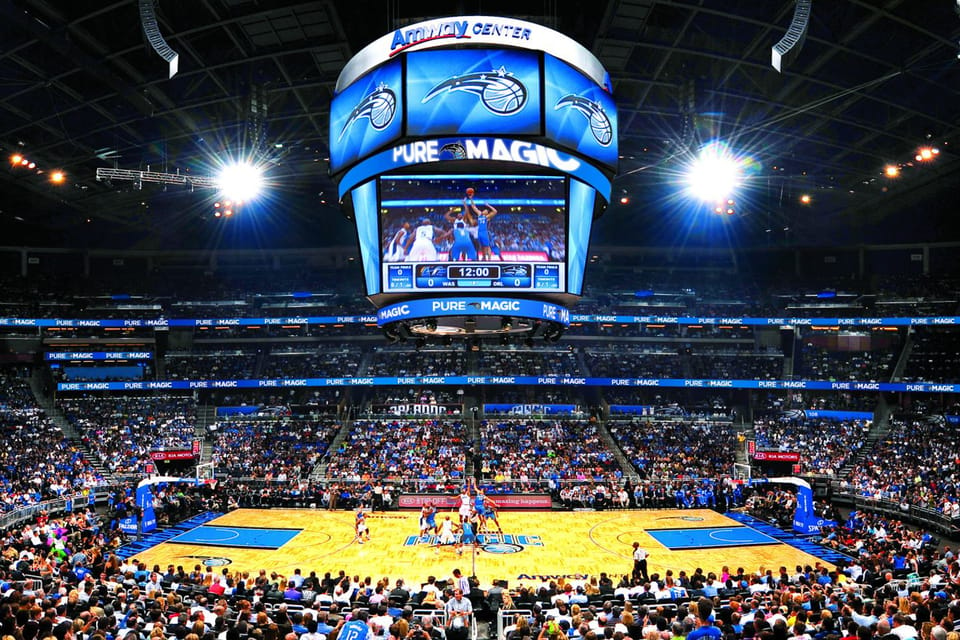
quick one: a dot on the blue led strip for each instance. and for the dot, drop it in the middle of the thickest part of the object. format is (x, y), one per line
(389, 381)
(933, 321)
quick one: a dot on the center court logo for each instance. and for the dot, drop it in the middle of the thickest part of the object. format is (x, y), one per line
(212, 561)
(496, 543)
(498, 91)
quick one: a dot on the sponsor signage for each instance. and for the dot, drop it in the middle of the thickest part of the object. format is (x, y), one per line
(475, 31)
(776, 456)
(526, 501)
(56, 356)
(530, 409)
(173, 455)
(451, 150)
(391, 381)
(417, 409)
(818, 414)
(432, 308)
(576, 317)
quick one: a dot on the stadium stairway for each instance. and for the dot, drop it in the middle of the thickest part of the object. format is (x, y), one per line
(152, 539)
(320, 471)
(790, 538)
(611, 444)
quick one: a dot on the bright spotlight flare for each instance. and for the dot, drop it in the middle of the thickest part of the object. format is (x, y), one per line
(715, 174)
(240, 181)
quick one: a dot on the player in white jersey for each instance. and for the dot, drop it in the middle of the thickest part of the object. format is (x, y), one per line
(397, 249)
(446, 532)
(466, 505)
(423, 248)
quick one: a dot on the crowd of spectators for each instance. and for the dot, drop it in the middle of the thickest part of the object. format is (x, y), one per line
(733, 367)
(313, 360)
(37, 461)
(218, 364)
(915, 463)
(661, 450)
(525, 451)
(392, 361)
(528, 362)
(843, 366)
(121, 597)
(825, 446)
(280, 448)
(123, 430)
(935, 356)
(652, 361)
(430, 452)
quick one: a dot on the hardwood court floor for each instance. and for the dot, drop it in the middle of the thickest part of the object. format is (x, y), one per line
(537, 543)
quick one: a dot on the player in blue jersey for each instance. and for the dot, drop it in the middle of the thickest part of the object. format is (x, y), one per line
(428, 519)
(484, 234)
(462, 248)
(490, 512)
(479, 508)
(363, 532)
(468, 535)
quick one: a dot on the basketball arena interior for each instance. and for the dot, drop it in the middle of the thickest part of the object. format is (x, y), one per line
(403, 319)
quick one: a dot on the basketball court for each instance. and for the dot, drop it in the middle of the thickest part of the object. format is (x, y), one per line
(533, 544)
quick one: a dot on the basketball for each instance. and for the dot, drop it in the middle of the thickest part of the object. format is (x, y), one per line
(504, 96)
(470, 192)
(383, 106)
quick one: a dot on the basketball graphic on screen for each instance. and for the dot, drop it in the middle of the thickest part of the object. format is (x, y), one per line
(470, 192)
(383, 109)
(503, 95)
(601, 128)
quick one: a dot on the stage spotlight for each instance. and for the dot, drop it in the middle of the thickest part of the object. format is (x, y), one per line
(16, 158)
(714, 175)
(805, 198)
(57, 177)
(624, 200)
(924, 154)
(891, 171)
(240, 181)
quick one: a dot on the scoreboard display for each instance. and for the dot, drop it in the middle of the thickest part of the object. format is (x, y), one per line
(473, 233)
(473, 154)
(514, 276)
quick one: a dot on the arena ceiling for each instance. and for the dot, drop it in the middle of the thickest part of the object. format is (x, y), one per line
(80, 88)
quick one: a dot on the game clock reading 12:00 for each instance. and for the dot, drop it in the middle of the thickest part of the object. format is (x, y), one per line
(474, 276)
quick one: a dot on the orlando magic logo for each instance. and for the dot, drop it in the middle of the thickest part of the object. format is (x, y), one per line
(600, 125)
(378, 106)
(499, 91)
(453, 151)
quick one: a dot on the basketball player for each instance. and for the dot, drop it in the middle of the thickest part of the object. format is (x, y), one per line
(467, 535)
(423, 248)
(480, 509)
(397, 249)
(363, 533)
(465, 506)
(428, 523)
(483, 217)
(446, 533)
(490, 513)
(462, 248)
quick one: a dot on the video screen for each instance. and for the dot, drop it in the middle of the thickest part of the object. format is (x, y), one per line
(473, 232)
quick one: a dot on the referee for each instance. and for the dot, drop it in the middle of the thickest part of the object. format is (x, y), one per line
(640, 563)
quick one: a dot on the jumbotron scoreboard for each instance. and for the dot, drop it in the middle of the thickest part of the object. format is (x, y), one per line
(473, 153)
